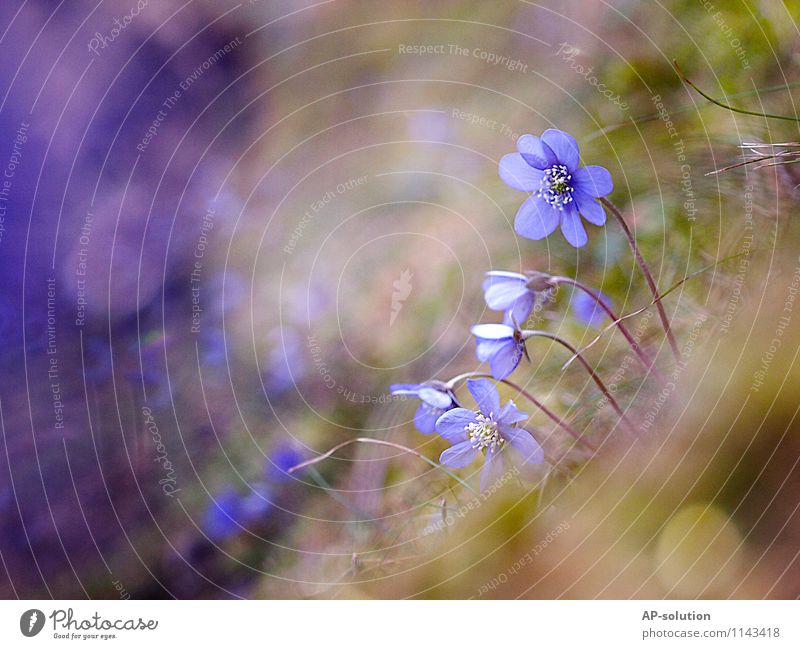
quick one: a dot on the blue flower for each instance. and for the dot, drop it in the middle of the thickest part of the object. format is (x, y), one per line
(587, 310)
(230, 512)
(280, 461)
(499, 345)
(219, 519)
(561, 190)
(436, 399)
(509, 292)
(255, 505)
(489, 428)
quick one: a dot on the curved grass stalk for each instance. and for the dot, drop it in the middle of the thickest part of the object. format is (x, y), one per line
(733, 109)
(380, 442)
(528, 333)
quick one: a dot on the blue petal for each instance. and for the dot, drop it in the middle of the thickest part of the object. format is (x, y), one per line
(510, 414)
(219, 519)
(523, 442)
(507, 274)
(518, 174)
(492, 468)
(405, 389)
(425, 418)
(505, 359)
(458, 456)
(435, 398)
(591, 210)
(492, 331)
(518, 313)
(535, 152)
(485, 350)
(485, 394)
(451, 425)
(594, 180)
(501, 292)
(564, 146)
(536, 219)
(572, 227)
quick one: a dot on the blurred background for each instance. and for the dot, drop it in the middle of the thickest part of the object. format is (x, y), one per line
(226, 228)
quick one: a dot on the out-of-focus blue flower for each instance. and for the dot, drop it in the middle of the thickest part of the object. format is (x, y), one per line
(587, 310)
(509, 292)
(219, 519)
(435, 398)
(255, 505)
(499, 345)
(561, 190)
(489, 428)
(230, 512)
(280, 461)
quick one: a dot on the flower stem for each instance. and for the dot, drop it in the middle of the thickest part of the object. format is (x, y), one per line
(529, 333)
(549, 413)
(647, 275)
(648, 362)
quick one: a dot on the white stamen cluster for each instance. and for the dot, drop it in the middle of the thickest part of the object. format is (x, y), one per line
(483, 433)
(555, 187)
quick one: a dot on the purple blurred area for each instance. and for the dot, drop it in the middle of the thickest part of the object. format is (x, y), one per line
(105, 195)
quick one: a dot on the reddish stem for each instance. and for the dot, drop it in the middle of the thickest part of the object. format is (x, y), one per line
(647, 275)
(648, 362)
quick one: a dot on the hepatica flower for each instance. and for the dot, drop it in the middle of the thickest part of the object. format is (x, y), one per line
(509, 292)
(561, 190)
(499, 345)
(488, 429)
(435, 398)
